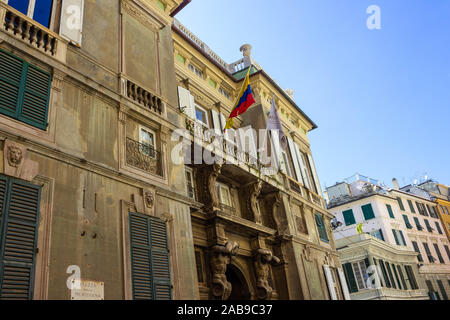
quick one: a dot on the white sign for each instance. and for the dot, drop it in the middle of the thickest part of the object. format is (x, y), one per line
(89, 290)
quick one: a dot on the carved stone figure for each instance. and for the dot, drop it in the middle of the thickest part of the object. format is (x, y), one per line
(252, 203)
(246, 50)
(263, 259)
(15, 156)
(207, 177)
(220, 258)
(149, 199)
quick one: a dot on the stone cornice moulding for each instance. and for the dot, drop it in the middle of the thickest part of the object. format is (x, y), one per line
(146, 13)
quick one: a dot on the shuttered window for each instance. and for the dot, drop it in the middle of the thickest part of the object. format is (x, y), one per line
(350, 277)
(321, 228)
(389, 209)
(411, 206)
(438, 252)
(400, 272)
(150, 267)
(19, 219)
(438, 227)
(24, 91)
(400, 204)
(407, 224)
(442, 289)
(411, 278)
(416, 249)
(349, 218)
(368, 212)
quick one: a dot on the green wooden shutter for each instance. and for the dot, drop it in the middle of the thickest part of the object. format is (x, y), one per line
(160, 260)
(405, 287)
(11, 70)
(149, 258)
(394, 232)
(36, 97)
(402, 237)
(24, 91)
(442, 289)
(400, 204)
(20, 220)
(368, 212)
(391, 213)
(140, 257)
(349, 217)
(350, 277)
(321, 228)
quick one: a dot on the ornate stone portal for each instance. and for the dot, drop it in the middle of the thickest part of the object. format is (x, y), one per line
(220, 258)
(263, 259)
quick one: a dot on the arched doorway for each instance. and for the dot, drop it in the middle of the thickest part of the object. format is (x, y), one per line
(240, 290)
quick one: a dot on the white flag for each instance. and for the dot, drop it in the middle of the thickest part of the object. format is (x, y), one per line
(274, 123)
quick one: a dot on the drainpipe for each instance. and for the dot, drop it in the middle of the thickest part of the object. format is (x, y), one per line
(180, 7)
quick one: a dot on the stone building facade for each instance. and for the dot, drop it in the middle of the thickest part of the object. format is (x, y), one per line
(91, 94)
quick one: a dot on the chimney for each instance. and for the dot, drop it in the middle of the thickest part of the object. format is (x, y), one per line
(395, 183)
(246, 50)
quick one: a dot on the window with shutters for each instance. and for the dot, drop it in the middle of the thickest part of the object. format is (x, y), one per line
(349, 217)
(150, 268)
(368, 212)
(199, 262)
(321, 227)
(400, 203)
(448, 251)
(19, 223)
(442, 289)
(377, 234)
(224, 195)
(411, 206)
(407, 224)
(428, 252)
(24, 91)
(416, 249)
(385, 274)
(418, 225)
(190, 183)
(438, 252)
(360, 272)
(402, 277)
(427, 224)
(389, 209)
(350, 277)
(391, 277)
(438, 227)
(396, 237)
(396, 276)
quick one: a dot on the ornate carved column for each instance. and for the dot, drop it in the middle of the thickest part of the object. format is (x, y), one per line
(206, 178)
(220, 257)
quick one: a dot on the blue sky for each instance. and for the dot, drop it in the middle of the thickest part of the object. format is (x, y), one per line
(381, 98)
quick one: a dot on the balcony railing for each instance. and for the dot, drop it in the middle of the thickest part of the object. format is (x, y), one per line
(295, 187)
(144, 98)
(27, 30)
(143, 157)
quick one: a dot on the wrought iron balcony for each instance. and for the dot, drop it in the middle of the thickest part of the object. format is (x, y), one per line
(143, 157)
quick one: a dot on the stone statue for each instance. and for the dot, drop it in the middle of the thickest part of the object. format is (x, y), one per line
(246, 50)
(220, 258)
(255, 190)
(263, 259)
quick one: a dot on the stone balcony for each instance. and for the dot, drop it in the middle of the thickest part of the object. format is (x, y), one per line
(32, 33)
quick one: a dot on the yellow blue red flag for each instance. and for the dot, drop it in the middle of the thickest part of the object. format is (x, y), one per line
(244, 101)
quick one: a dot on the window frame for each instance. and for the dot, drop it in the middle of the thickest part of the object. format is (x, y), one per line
(191, 181)
(141, 140)
(220, 186)
(369, 205)
(31, 10)
(349, 211)
(196, 106)
(359, 272)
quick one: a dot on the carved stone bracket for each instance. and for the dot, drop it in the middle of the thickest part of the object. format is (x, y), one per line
(220, 257)
(263, 258)
(207, 177)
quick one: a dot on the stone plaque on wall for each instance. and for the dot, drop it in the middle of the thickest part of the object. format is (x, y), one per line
(89, 290)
